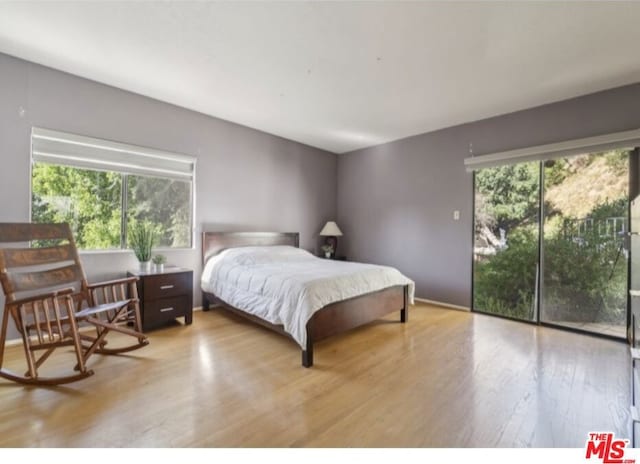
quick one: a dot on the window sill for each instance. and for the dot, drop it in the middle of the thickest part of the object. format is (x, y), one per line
(122, 251)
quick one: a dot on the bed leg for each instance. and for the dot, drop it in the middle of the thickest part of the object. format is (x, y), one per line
(205, 303)
(307, 355)
(307, 358)
(404, 312)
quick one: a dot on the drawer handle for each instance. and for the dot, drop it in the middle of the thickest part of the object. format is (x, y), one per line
(166, 287)
(164, 310)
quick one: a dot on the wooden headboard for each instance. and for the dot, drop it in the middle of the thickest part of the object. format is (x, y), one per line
(215, 242)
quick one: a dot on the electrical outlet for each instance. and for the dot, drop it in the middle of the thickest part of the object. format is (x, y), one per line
(456, 215)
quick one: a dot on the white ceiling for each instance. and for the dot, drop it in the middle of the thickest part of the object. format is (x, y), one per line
(336, 75)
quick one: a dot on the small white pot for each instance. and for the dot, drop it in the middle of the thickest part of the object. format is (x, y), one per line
(327, 254)
(159, 267)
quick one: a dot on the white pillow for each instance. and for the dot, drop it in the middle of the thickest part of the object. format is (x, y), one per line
(265, 254)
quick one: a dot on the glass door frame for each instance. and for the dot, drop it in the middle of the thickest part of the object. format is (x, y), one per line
(473, 261)
(633, 191)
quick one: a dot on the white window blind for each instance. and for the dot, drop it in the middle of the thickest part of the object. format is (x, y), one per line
(556, 150)
(63, 148)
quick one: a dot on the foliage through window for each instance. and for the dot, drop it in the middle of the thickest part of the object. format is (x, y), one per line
(101, 204)
(163, 202)
(579, 264)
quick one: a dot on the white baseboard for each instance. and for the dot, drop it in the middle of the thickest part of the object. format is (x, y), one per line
(440, 303)
(13, 342)
(214, 305)
(422, 300)
(18, 341)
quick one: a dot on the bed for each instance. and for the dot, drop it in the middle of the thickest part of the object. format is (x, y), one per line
(265, 277)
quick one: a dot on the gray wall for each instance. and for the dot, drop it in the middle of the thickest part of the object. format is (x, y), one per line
(396, 200)
(245, 179)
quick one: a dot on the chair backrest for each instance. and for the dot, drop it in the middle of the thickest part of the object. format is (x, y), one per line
(51, 264)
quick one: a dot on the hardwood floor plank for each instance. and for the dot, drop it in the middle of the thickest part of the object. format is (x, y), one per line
(446, 379)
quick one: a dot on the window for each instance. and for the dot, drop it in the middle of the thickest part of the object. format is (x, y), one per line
(101, 188)
(551, 232)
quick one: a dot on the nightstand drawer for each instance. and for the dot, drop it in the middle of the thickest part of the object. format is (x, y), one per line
(165, 309)
(166, 285)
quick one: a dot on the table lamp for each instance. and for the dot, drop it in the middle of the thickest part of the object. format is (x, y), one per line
(331, 232)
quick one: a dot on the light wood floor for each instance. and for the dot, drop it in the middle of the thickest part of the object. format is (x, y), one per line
(447, 379)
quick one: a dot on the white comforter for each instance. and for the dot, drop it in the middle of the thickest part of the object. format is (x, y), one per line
(286, 285)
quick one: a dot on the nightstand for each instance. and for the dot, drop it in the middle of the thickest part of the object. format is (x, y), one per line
(165, 296)
(335, 258)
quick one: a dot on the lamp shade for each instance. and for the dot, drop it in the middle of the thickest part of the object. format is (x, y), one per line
(331, 229)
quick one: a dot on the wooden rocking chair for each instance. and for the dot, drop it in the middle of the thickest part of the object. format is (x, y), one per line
(48, 298)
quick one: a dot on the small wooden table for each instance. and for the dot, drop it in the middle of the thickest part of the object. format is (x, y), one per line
(165, 296)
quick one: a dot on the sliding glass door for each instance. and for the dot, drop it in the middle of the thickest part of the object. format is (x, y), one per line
(550, 241)
(585, 255)
(505, 270)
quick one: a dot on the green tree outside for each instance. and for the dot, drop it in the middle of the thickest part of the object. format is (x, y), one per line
(584, 278)
(91, 202)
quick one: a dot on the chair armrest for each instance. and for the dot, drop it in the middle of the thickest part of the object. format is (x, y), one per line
(111, 283)
(41, 297)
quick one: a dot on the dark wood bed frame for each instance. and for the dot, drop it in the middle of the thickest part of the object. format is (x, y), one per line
(327, 321)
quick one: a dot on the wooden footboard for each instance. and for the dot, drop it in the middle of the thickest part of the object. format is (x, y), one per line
(335, 318)
(348, 314)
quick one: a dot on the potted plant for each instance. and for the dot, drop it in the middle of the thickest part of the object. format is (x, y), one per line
(158, 261)
(141, 238)
(328, 249)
